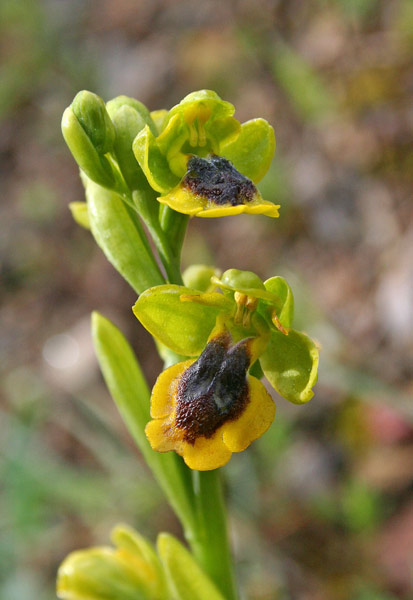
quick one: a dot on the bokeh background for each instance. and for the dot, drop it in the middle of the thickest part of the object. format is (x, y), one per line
(322, 506)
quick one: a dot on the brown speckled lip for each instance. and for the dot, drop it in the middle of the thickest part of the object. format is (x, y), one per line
(217, 180)
(213, 390)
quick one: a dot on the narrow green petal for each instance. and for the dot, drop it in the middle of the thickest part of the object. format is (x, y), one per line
(280, 288)
(290, 364)
(253, 150)
(152, 162)
(184, 327)
(187, 580)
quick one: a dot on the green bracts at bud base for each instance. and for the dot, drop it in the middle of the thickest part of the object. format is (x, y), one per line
(186, 579)
(120, 237)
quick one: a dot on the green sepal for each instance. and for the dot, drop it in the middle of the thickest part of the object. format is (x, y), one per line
(119, 237)
(198, 277)
(196, 103)
(253, 150)
(80, 213)
(184, 327)
(95, 166)
(90, 110)
(290, 364)
(152, 162)
(186, 579)
(285, 309)
(128, 388)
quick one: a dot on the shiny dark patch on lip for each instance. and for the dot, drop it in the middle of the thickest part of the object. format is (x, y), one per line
(213, 389)
(216, 179)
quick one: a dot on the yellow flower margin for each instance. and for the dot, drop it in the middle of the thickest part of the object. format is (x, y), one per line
(205, 453)
(184, 201)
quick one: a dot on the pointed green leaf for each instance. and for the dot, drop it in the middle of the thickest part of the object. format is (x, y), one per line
(290, 364)
(285, 310)
(186, 578)
(252, 151)
(120, 239)
(130, 392)
(184, 327)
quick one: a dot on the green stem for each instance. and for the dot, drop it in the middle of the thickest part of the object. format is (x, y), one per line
(210, 542)
(148, 209)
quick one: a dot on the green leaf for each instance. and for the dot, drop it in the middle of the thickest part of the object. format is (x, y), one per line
(186, 579)
(120, 239)
(285, 310)
(152, 162)
(290, 364)
(253, 150)
(80, 213)
(130, 392)
(184, 327)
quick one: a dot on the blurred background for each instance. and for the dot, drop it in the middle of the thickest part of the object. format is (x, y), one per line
(321, 506)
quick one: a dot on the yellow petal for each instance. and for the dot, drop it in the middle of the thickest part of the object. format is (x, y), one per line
(261, 207)
(184, 201)
(163, 437)
(254, 421)
(206, 453)
(162, 399)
